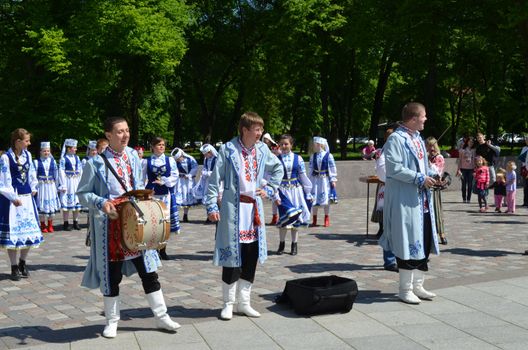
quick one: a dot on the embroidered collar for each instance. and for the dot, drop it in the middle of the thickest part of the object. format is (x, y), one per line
(244, 148)
(114, 153)
(411, 133)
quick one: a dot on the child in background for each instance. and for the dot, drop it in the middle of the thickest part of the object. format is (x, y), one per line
(481, 175)
(511, 186)
(47, 198)
(499, 189)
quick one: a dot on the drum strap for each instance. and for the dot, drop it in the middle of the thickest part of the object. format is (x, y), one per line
(122, 183)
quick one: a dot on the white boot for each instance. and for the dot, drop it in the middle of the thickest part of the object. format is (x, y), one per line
(418, 288)
(111, 308)
(243, 299)
(406, 289)
(228, 294)
(159, 309)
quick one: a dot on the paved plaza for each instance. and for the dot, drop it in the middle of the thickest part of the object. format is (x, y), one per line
(481, 278)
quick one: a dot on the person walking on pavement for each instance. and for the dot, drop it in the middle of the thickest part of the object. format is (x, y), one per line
(109, 261)
(408, 220)
(241, 232)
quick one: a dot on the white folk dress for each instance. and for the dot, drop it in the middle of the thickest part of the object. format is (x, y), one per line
(323, 171)
(47, 198)
(19, 228)
(296, 185)
(70, 172)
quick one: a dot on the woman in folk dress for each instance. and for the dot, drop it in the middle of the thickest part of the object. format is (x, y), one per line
(200, 190)
(187, 169)
(19, 229)
(161, 173)
(323, 174)
(70, 172)
(297, 187)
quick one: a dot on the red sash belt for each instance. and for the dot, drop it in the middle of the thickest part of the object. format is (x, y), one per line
(248, 199)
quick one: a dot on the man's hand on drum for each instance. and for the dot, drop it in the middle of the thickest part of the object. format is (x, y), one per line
(110, 209)
(214, 216)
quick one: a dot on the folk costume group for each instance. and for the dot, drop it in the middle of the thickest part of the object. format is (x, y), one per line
(234, 182)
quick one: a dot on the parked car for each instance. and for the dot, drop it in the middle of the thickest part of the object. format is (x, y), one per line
(359, 140)
(509, 137)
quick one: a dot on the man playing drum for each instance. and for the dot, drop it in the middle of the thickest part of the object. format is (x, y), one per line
(108, 259)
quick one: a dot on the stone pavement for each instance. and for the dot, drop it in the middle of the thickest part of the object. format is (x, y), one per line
(481, 279)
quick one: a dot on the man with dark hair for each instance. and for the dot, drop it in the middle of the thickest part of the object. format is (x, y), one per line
(408, 215)
(108, 259)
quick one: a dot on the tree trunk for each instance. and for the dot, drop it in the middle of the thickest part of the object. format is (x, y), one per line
(383, 78)
(430, 93)
(324, 95)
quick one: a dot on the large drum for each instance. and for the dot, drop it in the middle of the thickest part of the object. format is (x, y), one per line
(145, 224)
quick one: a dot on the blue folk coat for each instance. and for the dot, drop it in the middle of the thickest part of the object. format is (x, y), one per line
(93, 192)
(226, 171)
(403, 211)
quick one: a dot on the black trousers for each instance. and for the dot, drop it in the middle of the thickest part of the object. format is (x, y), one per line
(427, 239)
(148, 279)
(249, 253)
(525, 192)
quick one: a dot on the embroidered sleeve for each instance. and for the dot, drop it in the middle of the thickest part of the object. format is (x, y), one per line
(6, 187)
(332, 169)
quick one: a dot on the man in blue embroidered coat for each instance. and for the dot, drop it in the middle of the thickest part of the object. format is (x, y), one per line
(240, 233)
(408, 215)
(108, 260)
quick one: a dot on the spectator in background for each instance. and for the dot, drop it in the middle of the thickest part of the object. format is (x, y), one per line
(368, 152)
(489, 152)
(466, 165)
(523, 158)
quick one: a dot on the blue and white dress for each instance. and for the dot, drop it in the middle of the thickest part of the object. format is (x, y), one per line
(200, 190)
(187, 174)
(47, 198)
(296, 186)
(163, 168)
(70, 172)
(19, 228)
(323, 171)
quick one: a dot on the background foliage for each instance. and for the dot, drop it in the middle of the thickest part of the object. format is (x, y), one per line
(187, 69)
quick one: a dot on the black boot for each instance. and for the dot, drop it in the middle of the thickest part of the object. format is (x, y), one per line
(22, 267)
(15, 273)
(294, 248)
(281, 248)
(76, 225)
(66, 226)
(163, 254)
(185, 218)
